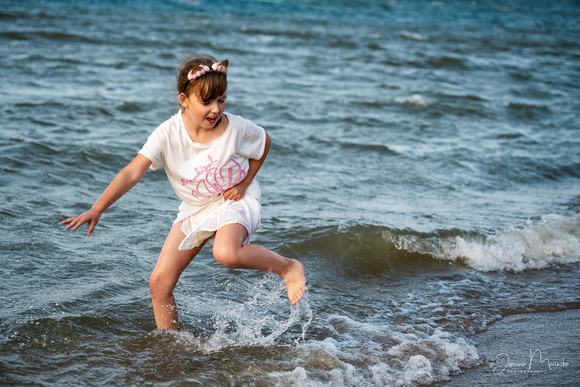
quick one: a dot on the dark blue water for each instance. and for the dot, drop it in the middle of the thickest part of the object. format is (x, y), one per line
(425, 168)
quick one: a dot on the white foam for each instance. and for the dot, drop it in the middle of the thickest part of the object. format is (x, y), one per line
(413, 36)
(536, 244)
(417, 371)
(554, 239)
(414, 100)
(375, 354)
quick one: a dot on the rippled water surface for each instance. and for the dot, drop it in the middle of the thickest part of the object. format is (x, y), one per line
(425, 169)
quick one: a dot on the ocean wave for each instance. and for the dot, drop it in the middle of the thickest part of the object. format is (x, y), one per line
(528, 111)
(49, 36)
(446, 62)
(536, 244)
(379, 148)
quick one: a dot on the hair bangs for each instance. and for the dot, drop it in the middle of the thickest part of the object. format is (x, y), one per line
(210, 86)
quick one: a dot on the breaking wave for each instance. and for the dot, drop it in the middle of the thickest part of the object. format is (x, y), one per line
(535, 244)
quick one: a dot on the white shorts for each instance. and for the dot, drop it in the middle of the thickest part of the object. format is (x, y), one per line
(202, 225)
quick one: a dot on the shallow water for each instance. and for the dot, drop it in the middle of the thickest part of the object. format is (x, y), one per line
(425, 169)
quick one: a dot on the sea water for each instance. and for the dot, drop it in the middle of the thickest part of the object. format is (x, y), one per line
(425, 169)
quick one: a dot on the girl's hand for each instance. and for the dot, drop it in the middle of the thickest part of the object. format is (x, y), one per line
(91, 217)
(236, 192)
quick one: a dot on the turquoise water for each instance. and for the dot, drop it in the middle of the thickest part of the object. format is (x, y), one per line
(425, 169)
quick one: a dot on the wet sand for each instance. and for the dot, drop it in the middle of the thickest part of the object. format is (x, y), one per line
(535, 349)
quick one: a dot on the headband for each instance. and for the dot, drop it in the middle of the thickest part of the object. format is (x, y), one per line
(193, 75)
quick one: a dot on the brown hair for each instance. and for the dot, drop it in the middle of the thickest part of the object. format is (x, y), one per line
(207, 87)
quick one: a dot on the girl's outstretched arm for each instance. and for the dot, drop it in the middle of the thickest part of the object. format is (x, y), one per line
(123, 182)
(237, 192)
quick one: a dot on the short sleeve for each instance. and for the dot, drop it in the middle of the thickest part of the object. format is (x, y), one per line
(153, 149)
(253, 141)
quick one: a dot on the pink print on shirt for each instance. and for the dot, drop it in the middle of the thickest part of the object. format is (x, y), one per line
(215, 180)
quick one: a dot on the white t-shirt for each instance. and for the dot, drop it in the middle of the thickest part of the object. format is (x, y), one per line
(199, 173)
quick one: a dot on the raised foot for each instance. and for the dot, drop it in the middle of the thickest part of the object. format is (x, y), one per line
(295, 281)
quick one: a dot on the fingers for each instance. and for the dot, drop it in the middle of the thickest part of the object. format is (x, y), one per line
(91, 228)
(73, 223)
(67, 220)
(76, 221)
(70, 221)
(228, 196)
(233, 194)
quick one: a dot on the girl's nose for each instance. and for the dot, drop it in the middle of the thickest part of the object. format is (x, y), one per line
(215, 107)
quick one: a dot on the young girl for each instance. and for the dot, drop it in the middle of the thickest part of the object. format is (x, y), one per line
(211, 158)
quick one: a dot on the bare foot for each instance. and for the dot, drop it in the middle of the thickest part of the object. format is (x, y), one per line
(295, 281)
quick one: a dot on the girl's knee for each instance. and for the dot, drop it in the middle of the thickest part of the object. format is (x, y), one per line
(227, 255)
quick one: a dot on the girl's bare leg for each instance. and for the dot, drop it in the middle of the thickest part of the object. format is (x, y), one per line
(229, 251)
(170, 265)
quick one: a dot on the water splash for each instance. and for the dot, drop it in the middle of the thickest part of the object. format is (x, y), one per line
(253, 323)
(260, 321)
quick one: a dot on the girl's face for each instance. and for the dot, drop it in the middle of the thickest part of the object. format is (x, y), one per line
(203, 115)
